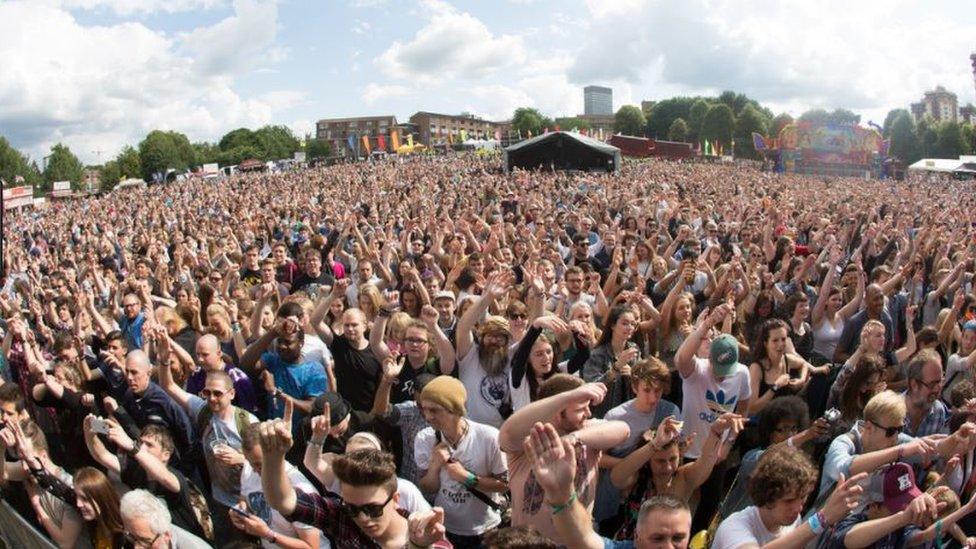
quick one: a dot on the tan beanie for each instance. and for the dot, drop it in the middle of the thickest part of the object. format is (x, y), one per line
(446, 391)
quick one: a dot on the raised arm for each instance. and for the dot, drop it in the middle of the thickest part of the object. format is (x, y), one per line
(446, 356)
(97, 449)
(276, 440)
(377, 334)
(684, 358)
(828, 282)
(519, 424)
(495, 288)
(166, 376)
(155, 469)
(317, 318)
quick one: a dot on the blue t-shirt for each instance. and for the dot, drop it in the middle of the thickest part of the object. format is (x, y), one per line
(303, 381)
(132, 330)
(611, 544)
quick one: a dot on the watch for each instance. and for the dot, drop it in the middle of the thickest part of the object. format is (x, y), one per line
(136, 446)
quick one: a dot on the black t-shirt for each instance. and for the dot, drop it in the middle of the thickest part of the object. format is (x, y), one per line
(250, 277)
(303, 280)
(357, 373)
(134, 476)
(403, 390)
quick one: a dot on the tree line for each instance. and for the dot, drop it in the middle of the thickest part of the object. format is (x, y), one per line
(730, 119)
(158, 152)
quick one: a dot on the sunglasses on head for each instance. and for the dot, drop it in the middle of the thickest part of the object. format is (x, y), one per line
(371, 510)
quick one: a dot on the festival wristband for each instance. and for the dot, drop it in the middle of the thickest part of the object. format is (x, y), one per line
(561, 507)
(471, 481)
(815, 525)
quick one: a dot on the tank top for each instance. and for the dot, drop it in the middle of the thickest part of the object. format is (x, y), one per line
(825, 338)
(763, 386)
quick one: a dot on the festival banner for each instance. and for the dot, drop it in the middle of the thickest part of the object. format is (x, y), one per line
(464, 136)
(410, 140)
(366, 144)
(395, 139)
(352, 142)
(758, 142)
(381, 142)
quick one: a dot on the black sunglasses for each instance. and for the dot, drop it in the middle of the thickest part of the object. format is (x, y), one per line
(888, 431)
(371, 510)
(206, 393)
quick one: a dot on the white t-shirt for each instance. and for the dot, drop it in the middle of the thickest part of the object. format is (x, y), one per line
(746, 528)
(522, 395)
(478, 451)
(315, 350)
(253, 494)
(485, 393)
(704, 398)
(411, 499)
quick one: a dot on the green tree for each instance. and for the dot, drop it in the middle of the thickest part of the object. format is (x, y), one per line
(678, 130)
(735, 101)
(63, 165)
(718, 125)
(890, 119)
(276, 142)
(969, 139)
(695, 117)
(928, 137)
(838, 117)
(238, 138)
(664, 114)
(629, 120)
(781, 121)
(527, 121)
(110, 174)
(317, 148)
(749, 120)
(161, 150)
(571, 122)
(904, 139)
(205, 152)
(14, 164)
(128, 162)
(950, 142)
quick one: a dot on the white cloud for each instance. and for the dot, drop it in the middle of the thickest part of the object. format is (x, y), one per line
(374, 92)
(142, 7)
(868, 56)
(361, 27)
(241, 40)
(101, 87)
(452, 44)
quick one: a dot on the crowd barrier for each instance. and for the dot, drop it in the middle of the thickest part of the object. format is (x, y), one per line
(17, 533)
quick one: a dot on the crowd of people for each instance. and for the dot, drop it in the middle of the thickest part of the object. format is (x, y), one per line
(428, 352)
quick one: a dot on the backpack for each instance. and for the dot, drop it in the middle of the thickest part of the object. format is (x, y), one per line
(241, 419)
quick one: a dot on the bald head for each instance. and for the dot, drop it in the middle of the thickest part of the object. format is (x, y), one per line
(208, 353)
(137, 369)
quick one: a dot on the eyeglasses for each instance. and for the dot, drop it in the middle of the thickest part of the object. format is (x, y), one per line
(371, 510)
(207, 393)
(930, 385)
(415, 341)
(139, 542)
(888, 431)
(130, 304)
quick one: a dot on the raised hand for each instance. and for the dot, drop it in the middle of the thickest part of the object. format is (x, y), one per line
(392, 366)
(426, 527)
(321, 425)
(553, 462)
(429, 315)
(593, 393)
(276, 439)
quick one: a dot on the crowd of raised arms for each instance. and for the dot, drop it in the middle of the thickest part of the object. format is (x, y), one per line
(428, 352)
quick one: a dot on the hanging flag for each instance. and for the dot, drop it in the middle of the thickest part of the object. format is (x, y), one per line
(366, 144)
(352, 142)
(464, 136)
(758, 142)
(381, 143)
(395, 139)
(450, 138)
(410, 140)
(707, 149)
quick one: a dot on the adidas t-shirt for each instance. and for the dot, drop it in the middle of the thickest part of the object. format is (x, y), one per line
(704, 398)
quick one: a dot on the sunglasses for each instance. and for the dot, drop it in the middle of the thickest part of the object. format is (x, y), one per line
(888, 431)
(207, 393)
(517, 316)
(371, 510)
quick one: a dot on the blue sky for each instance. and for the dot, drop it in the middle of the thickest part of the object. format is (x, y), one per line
(99, 74)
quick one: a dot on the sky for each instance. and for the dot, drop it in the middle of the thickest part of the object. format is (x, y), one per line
(100, 74)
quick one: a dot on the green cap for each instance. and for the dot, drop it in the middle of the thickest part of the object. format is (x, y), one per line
(724, 355)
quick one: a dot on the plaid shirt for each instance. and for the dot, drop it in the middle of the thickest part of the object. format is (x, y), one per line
(936, 421)
(326, 514)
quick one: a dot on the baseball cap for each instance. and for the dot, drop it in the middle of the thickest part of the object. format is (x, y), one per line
(969, 325)
(893, 486)
(724, 355)
(444, 294)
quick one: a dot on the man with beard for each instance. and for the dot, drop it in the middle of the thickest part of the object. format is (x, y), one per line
(484, 367)
(927, 415)
(564, 401)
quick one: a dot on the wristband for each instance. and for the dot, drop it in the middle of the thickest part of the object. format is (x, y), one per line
(471, 481)
(136, 446)
(556, 509)
(823, 519)
(815, 526)
(317, 441)
(938, 534)
(383, 313)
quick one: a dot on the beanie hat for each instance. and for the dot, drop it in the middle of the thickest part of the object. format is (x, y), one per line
(446, 391)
